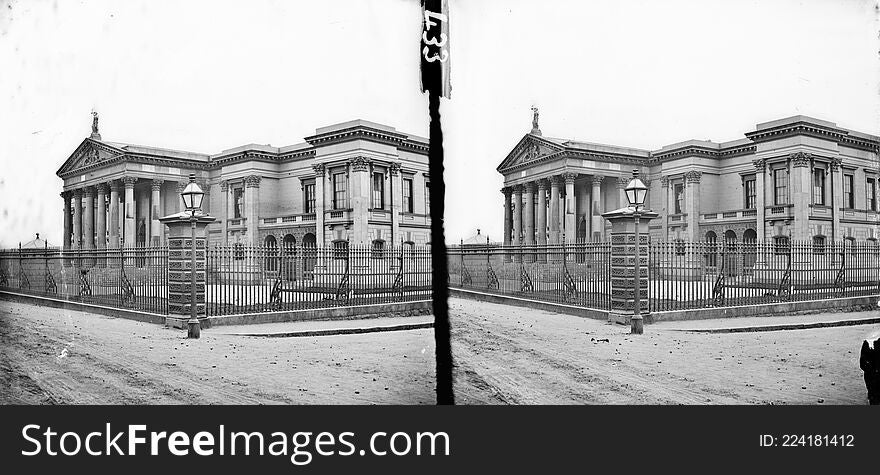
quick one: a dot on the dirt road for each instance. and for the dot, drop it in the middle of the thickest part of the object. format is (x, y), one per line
(507, 354)
(54, 356)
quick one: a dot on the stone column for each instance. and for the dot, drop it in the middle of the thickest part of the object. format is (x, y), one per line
(251, 207)
(68, 221)
(180, 269)
(799, 176)
(359, 181)
(114, 214)
(77, 219)
(541, 219)
(836, 197)
(622, 202)
(529, 214)
(396, 202)
(129, 227)
(224, 217)
(155, 207)
(597, 224)
(760, 204)
(101, 217)
(508, 216)
(554, 210)
(89, 218)
(664, 207)
(320, 174)
(692, 203)
(181, 185)
(570, 208)
(517, 214)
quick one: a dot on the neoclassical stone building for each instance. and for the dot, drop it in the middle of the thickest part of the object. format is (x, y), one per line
(357, 182)
(800, 177)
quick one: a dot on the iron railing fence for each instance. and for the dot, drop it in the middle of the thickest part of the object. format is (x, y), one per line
(255, 279)
(574, 274)
(129, 278)
(691, 275)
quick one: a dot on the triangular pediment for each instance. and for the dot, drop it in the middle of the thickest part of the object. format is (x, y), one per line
(529, 149)
(90, 153)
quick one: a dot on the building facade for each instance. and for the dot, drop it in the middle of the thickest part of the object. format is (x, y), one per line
(357, 182)
(796, 178)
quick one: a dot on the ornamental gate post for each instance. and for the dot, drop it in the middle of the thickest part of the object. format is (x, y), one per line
(624, 283)
(180, 268)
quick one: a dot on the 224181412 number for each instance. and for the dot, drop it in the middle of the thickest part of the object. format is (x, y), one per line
(817, 440)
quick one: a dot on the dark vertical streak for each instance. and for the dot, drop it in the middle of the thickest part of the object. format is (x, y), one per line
(443, 347)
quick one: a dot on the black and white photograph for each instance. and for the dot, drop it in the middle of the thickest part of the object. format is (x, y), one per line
(250, 141)
(269, 234)
(735, 142)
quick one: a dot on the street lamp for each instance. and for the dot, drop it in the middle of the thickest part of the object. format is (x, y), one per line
(192, 200)
(636, 191)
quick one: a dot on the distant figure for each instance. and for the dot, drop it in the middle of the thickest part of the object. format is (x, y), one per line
(535, 129)
(869, 361)
(95, 135)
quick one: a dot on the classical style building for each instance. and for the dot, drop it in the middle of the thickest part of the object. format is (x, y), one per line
(357, 182)
(795, 178)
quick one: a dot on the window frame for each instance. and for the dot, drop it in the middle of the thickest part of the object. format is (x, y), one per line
(309, 198)
(818, 186)
(678, 197)
(849, 197)
(780, 186)
(407, 191)
(377, 188)
(340, 190)
(871, 193)
(750, 192)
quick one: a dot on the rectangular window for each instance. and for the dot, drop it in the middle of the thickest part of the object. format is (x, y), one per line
(679, 198)
(848, 197)
(238, 202)
(780, 186)
(871, 190)
(427, 197)
(751, 193)
(818, 186)
(309, 198)
(339, 191)
(378, 190)
(407, 195)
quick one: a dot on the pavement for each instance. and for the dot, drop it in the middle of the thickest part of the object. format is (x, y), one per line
(772, 323)
(328, 327)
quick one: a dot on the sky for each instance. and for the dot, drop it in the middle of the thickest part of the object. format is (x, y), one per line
(642, 74)
(205, 76)
(200, 76)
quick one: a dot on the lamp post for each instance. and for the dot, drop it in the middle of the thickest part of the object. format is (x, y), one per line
(192, 199)
(636, 191)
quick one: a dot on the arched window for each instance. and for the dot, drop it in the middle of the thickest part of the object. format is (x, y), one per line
(271, 253)
(378, 249)
(818, 245)
(309, 240)
(750, 247)
(711, 249)
(781, 245)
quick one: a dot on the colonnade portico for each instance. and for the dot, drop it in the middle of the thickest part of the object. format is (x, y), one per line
(104, 215)
(545, 210)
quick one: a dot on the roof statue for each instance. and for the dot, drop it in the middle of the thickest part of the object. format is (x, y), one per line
(535, 129)
(95, 135)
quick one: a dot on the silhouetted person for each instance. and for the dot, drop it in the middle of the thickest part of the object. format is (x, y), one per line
(869, 361)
